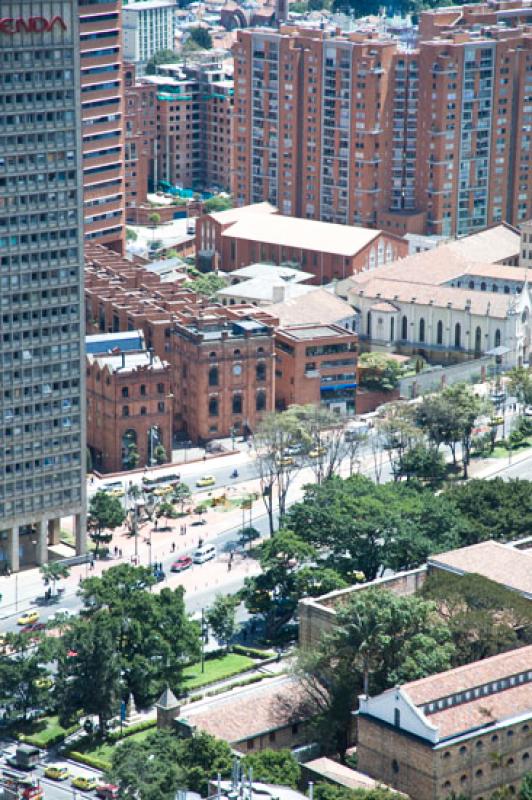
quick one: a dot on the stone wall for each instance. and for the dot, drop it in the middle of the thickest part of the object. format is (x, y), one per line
(317, 616)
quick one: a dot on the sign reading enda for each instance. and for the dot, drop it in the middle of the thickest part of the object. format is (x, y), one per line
(11, 25)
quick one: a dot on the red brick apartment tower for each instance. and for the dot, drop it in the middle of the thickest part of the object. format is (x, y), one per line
(140, 136)
(102, 122)
(356, 128)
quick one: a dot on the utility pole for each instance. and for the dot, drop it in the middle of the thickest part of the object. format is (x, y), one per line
(202, 640)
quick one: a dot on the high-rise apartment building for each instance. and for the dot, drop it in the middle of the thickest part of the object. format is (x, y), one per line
(363, 128)
(148, 28)
(42, 441)
(102, 120)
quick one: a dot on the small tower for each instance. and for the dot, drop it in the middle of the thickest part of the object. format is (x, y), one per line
(281, 11)
(525, 256)
(168, 709)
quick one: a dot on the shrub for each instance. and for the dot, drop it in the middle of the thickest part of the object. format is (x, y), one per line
(252, 652)
(116, 736)
(90, 761)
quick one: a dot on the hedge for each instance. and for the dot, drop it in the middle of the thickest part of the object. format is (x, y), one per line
(116, 736)
(252, 652)
(90, 761)
(237, 685)
(37, 740)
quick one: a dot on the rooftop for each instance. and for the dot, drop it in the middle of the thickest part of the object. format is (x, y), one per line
(101, 343)
(304, 234)
(497, 562)
(288, 274)
(306, 332)
(128, 362)
(263, 289)
(146, 5)
(317, 307)
(259, 709)
(235, 214)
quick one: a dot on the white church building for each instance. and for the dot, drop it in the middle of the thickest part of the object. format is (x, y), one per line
(449, 304)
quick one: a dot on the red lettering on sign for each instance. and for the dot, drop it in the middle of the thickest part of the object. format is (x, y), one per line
(11, 26)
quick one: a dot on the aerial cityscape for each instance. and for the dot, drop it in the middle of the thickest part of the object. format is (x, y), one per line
(265, 400)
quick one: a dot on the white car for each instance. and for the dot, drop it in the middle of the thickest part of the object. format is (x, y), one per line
(528, 411)
(60, 614)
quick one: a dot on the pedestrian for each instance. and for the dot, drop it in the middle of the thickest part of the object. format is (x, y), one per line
(116, 550)
(156, 523)
(184, 529)
(200, 542)
(120, 552)
(229, 565)
(173, 547)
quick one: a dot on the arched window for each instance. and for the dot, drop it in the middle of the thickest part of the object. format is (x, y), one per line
(380, 253)
(369, 325)
(372, 258)
(236, 353)
(482, 287)
(261, 371)
(457, 335)
(506, 290)
(260, 350)
(494, 288)
(471, 284)
(125, 392)
(392, 329)
(143, 390)
(237, 404)
(213, 376)
(260, 403)
(498, 338)
(213, 407)
(439, 333)
(389, 253)
(404, 329)
(212, 355)
(421, 330)
(478, 342)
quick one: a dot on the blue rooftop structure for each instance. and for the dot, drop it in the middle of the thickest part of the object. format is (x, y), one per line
(120, 341)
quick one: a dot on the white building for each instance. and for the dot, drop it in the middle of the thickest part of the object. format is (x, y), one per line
(148, 28)
(449, 304)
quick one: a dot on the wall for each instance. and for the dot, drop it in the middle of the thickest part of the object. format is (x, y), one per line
(367, 401)
(317, 616)
(287, 737)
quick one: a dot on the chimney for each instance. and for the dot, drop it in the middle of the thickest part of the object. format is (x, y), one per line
(278, 295)
(123, 359)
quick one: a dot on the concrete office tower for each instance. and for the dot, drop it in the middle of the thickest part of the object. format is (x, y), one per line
(148, 28)
(42, 414)
(102, 112)
(366, 128)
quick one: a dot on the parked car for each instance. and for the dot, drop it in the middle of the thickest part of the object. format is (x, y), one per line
(28, 618)
(115, 489)
(56, 772)
(33, 628)
(286, 461)
(107, 791)
(528, 411)
(84, 783)
(206, 480)
(181, 563)
(204, 553)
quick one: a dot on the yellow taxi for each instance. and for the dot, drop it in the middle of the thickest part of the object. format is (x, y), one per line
(316, 452)
(163, 490)
(84, 783)
(28, 618)
(56, 773)
(206, 480)
(44, 683)
(286, 461)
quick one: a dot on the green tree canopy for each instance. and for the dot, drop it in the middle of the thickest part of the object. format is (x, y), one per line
(379, 372)
(380, 640)
(217, 203)
(221, 617)
(149, 769)
(201, 37)
(207, 284)
(328, 791)
(105, 514)
(21, 668)
(273, 766)
(161, 57)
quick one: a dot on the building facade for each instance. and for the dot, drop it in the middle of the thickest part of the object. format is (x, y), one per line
(102, 113)
(317, 365)
(178, 128)
(328, 251)
(358, 128)
(465, 731)
(148, 28)
(128, 408)
(42, 406)
(221, 358)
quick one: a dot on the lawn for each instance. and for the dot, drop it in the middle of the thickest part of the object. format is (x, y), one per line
(216, 669)
(103, 751)
(41, 732)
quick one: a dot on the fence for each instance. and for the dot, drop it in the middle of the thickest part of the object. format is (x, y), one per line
(434, 378)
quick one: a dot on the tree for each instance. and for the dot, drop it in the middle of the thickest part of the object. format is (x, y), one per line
(149, 769)
(201, 37)
(53, 572)
(328, 791)
(398, 432)
(380, 640)
(166, 510)
(323, 433)
(287, 574)
(131, 235)
(105, 513)
(379, 372)
(422, 463)
(520, 383)
(154, 218)
(525, 790)
(449, 418)
(218, 203)
(276, 466)
(21, 669)
(207, 285)
(154, 637)
(91, 679)
(273, 766)
(221, 617)
(203, 756)
(160, 454)
(132, 456)
(161, 57)
(492, 509)
(484, 618)
(181, 494)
